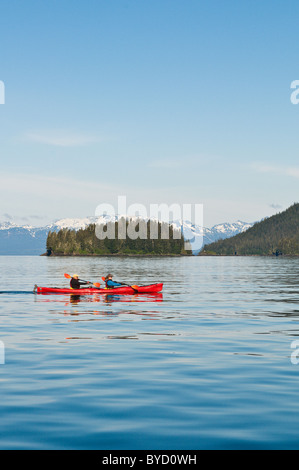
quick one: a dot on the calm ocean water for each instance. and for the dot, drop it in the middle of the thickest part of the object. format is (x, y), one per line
(210, 365)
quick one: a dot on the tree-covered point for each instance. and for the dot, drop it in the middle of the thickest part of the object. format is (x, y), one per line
(131, 238)
(277, 235)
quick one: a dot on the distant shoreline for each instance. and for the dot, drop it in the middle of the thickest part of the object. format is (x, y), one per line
(131, 255)
(248, 256)
(117, 255)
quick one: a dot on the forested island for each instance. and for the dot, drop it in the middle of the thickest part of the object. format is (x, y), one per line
(138, 240)
(276, 235)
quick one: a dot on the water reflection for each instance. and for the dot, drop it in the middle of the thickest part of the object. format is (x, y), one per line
(107, 313)
(134, 298)
(75, 299)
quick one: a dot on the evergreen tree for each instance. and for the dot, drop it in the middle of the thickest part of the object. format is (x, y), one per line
(93, 240)
(276, 235)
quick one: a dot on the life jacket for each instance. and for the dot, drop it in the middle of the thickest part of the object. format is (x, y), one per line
(74, 284)
(112, 287)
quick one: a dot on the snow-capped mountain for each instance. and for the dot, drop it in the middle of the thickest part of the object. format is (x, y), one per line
(225, 230)
(201, 236)
(22, 240)
(28, 240)
(73, 224)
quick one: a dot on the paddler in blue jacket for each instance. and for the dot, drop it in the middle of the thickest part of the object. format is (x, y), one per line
(110, 284)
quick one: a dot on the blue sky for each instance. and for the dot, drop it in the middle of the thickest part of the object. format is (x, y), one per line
(165, 101)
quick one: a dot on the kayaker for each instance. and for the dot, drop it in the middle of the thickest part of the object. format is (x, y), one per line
(75, 283)
(110, 283)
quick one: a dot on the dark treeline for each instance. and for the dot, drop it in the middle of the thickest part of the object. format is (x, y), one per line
(123, 238)
(277, 235)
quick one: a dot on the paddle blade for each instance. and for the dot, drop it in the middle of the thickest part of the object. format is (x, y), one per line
(67, 276)
(103, 278)
(97, 284)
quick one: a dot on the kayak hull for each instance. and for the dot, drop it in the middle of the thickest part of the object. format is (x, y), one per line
(125, 290)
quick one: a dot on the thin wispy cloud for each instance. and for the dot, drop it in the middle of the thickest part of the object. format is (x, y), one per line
(58, 188)
(61, 138)
(276, 169)
(194, 161)
(166, 164)
(7, 216)
(275, 206)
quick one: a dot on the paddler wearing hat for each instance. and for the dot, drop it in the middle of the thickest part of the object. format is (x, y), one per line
(75, 283)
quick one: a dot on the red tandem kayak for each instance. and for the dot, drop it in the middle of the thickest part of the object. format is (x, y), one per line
(150, 289)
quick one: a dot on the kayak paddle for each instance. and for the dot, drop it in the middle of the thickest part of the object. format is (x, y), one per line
(96, 284)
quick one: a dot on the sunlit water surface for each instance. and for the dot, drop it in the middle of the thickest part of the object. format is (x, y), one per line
(211, 364)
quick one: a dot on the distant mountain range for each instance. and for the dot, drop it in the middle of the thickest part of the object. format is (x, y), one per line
(28, 240)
